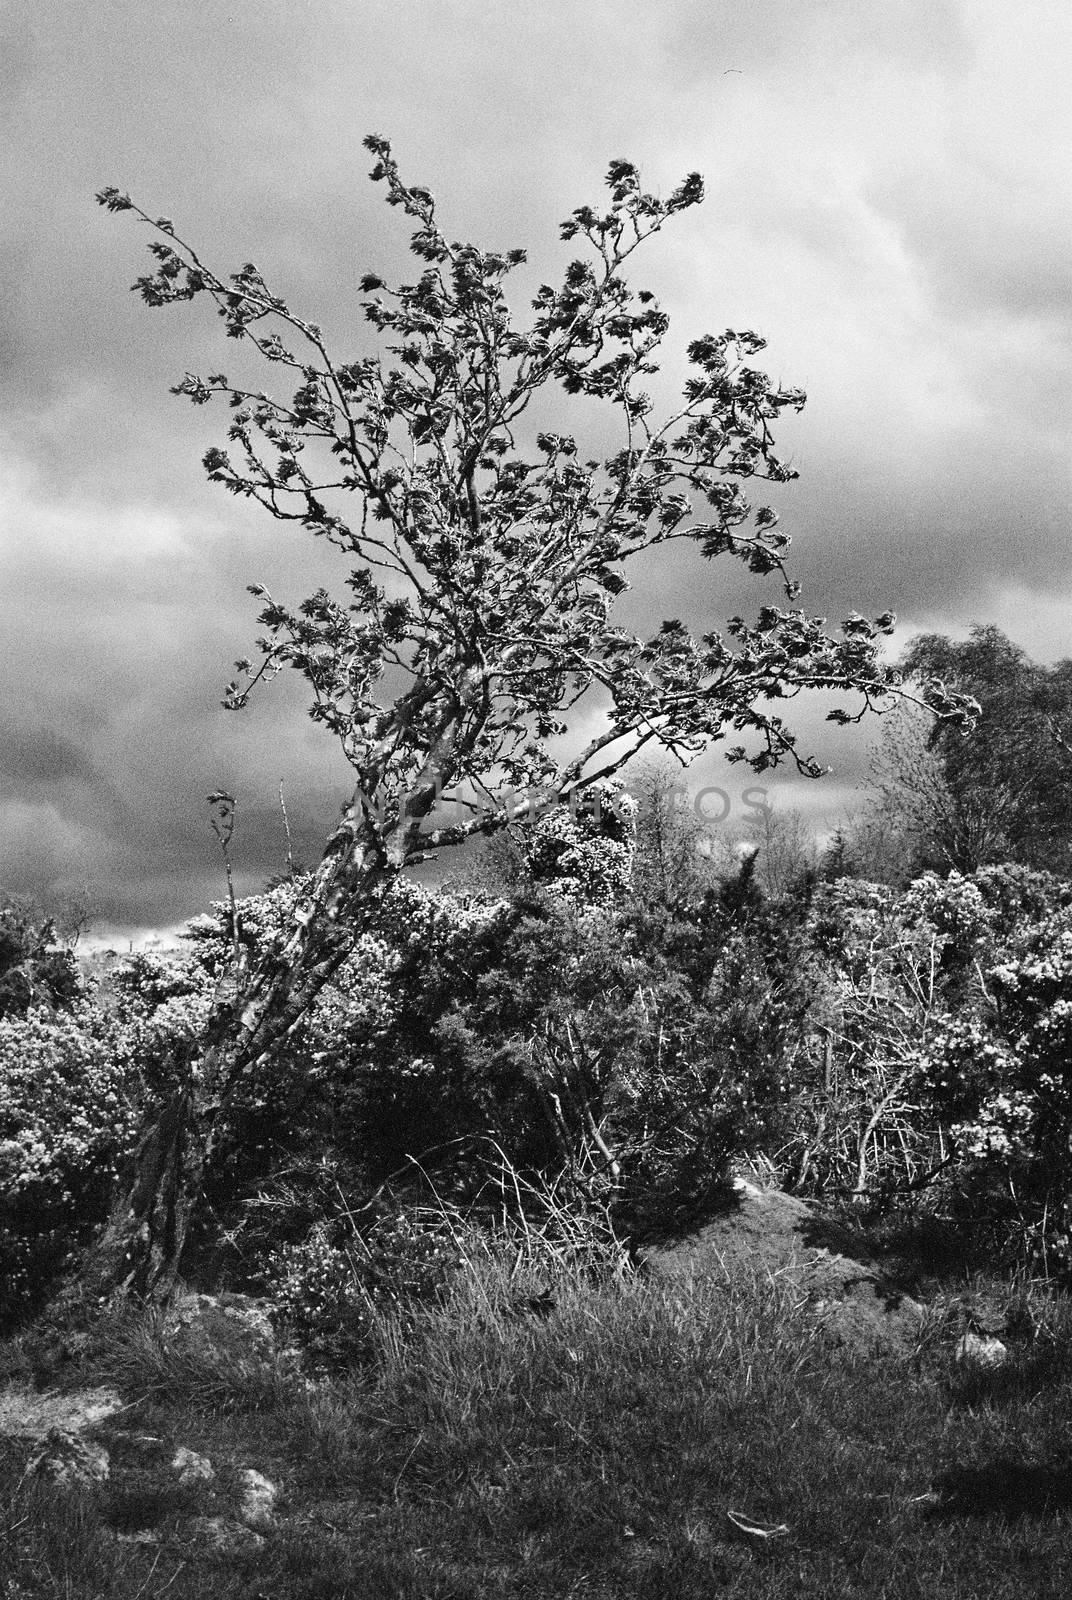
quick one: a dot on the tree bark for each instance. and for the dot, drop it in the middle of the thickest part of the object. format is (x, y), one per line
(140, 1249)
(138, 1253)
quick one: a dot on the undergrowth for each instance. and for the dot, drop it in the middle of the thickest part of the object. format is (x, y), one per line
(554, 1424)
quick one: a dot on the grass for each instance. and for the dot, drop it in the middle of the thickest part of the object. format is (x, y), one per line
(560, 1427)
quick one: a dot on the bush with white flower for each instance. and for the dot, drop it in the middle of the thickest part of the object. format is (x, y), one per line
(999, 1071)
(582, 854)
(70, 1109)
(1018, 897)
(955, 908)
(333, 1289)
(897, 1051)
(360, 1082)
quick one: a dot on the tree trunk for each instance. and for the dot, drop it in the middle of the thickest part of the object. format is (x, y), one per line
(139, 1251)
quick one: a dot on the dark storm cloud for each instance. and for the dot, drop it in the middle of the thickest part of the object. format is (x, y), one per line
(887, 203)
(39, 757)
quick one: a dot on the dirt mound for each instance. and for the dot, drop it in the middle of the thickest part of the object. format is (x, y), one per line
(765, 1230)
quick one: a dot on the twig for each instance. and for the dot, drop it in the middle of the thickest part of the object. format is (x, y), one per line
(222, 818)
(286, 830)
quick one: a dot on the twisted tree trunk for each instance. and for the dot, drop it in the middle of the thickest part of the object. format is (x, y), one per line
(139, 1251)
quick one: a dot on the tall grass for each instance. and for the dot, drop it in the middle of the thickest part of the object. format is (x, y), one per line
(555, 1424)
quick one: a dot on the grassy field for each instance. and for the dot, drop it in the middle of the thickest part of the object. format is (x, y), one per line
(572, 1430)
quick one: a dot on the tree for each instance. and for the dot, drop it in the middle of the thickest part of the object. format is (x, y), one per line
(910, 824)
(483, 567)
(1004, 794)
(37, 963)
(787, 852)
(676, 860)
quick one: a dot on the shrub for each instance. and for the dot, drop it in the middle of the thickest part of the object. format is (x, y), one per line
(866, 1124)
(937, 1072)
(583, 854)
(37, 970)
(357, 1087)
(69, 1113)
(1024, 1125)
(1017, 896)
(955, 908)
(335, 1288)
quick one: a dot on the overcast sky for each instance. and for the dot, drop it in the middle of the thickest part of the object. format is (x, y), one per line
(889, 204)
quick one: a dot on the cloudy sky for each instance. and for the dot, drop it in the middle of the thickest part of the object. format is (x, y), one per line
(889, 204)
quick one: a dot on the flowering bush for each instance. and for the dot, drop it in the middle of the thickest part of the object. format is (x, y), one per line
(334, 1287)
(967, 1062)
(1018, 896)
(845, 918)
(944, 1047)
(1025, 1125)
(263, 922)
(876, 1092)
(1000, 1129)
(359, 1082)
(69, 1114)
(583, 854)
(955, 908)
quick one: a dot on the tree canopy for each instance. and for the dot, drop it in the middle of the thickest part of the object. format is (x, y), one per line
(1005, 794)
(485, 557)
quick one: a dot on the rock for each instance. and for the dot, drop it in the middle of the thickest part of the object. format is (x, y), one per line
(191, 1467)
(27, 1414)
(981, 1352)
(233, 1328)
(765, 1229)
(69, 1460)
(259, 1495)
(223, 1538)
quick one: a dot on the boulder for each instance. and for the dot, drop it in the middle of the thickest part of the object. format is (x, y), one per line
(27, 1413)
(768, 1231)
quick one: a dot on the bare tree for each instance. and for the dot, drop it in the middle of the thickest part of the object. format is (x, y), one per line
(786, 846)
(674, 862)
